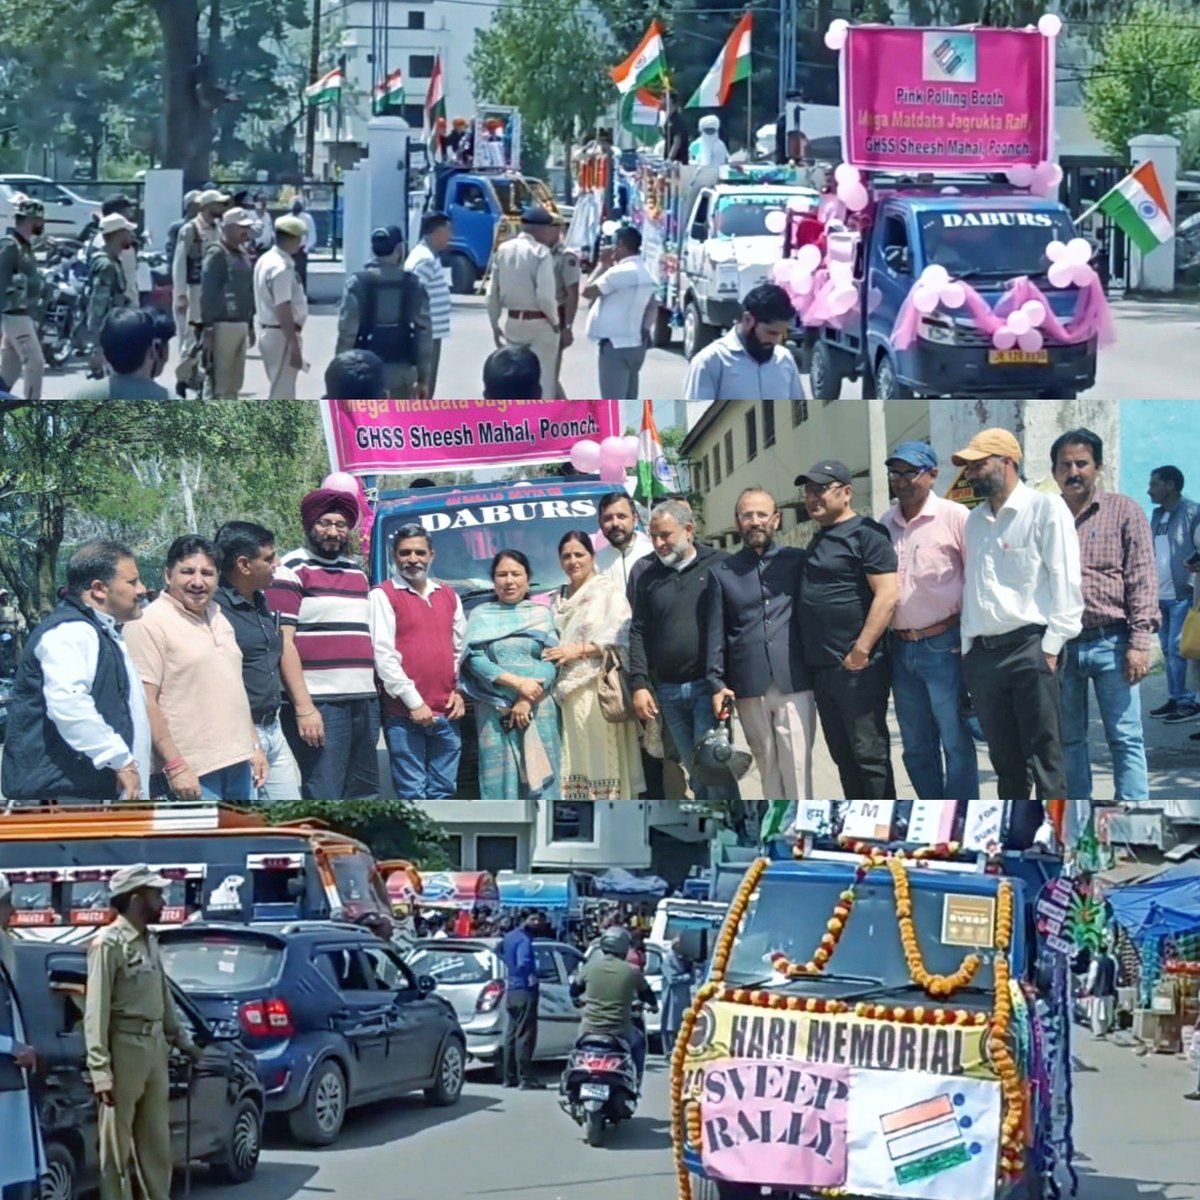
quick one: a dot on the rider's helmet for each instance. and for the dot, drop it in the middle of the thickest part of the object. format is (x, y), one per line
(615, 941)
(27, 206)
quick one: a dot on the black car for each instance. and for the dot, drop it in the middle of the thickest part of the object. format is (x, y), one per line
(333, 1014)
(221, 1097)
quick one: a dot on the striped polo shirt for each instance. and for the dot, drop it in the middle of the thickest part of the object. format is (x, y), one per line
(326, 602)
(424, 264)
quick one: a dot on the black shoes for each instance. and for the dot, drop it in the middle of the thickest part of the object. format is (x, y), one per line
(1164, 710)
(532, 1085)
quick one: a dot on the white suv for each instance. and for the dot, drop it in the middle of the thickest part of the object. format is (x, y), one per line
(66, 211)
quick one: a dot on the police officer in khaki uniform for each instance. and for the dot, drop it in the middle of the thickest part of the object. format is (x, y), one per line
(130, 1023)
(522, 285)
(227, 306)
(107, 292)
(195, 237)
(567, 276)
(282, 308)
(20, 299)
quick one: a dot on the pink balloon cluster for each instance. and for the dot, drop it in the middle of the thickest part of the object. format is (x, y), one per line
(1043, 180)
(835, 35)
(1021, 328)
(801, 270)
(934, 287)
(609, 459)
(851, 190)
(1070, 263)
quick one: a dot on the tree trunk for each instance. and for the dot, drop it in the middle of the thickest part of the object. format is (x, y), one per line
(189, 122)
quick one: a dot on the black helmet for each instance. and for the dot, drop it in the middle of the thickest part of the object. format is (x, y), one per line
(615, 940)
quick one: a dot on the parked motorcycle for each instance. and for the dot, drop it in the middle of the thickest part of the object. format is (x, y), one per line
(600, 1084)
(63, 328)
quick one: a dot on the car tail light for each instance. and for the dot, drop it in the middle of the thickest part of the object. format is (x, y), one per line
(267, 1018)
(490, 997)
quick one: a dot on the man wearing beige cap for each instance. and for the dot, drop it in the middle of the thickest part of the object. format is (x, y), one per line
(281, 308)
(106, 290)
(227, 306)
(130, 1024)
(1022, 603)
(196, 236)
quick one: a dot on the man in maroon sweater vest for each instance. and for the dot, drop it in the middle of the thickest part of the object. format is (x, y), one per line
(418, 630)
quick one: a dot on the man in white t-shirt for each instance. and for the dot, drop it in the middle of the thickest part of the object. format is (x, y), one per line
(627, 546)
(623, 295)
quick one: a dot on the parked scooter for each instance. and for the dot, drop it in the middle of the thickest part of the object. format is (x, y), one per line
(63, 328)
(600, 1085)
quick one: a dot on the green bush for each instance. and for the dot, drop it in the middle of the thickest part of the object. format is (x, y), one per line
(391, 828)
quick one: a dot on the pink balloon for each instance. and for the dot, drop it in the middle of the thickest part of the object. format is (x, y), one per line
(1035, 310)
(835, 35)
(612, 460)
(1031, 340)
(585, 457)
(847, 174)
(1079, 251)
(954, 295)
(808, 258)
(1055, 250)
(341, 481)
(1004, 338)
(631, 449)
(1061, 274)
(924, 299)
(856, 198)
(1020, 176)
(843, 299)
(1018, 322)
(935, 276)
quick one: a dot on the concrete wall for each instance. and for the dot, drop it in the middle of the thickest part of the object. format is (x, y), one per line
(1155, 433)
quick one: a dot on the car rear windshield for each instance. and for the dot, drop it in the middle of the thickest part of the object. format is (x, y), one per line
(452, 966)
(222, 964)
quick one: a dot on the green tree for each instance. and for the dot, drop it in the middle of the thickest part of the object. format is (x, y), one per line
(1147, 77)
(549, 58)
(391, 828)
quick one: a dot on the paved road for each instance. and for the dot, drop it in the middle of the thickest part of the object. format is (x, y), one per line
(503, 1145)
(1162, 334)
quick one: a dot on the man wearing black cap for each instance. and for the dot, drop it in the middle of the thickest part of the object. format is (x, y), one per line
(385, 309)
(523, 285)
(848, 593)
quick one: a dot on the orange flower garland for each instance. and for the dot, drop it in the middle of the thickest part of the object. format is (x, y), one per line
(1012, 1148)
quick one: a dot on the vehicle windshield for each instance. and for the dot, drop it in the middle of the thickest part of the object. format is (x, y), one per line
(682, 923)
(790, 915)
(359, 886)
(746, 216)
(451, 966)
(999, 245)
(222, 963)
(516, 194)
(466, 539)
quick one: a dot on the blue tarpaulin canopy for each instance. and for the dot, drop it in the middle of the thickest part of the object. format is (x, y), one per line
(539, 891)
(1164, 907)
(618, 882)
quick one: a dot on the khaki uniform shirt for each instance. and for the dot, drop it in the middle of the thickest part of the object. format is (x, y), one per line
(567, 271)
(193, 232)
(107, 293)
(275, 283)
(127, 991)
(522, 280)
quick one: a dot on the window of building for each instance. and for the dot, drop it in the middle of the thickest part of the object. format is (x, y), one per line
(751, 435)
(416, 20)
(799, 412)
(573, 821)
(716, 459)
(454, 849)
(495, 853)
(707, 477)
(768, 423)
(729, 453)
(420, 66)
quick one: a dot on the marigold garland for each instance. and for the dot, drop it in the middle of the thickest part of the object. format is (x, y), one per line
(1012, 1149)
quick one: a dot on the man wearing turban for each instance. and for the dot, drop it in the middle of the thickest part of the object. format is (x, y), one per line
(321, 596)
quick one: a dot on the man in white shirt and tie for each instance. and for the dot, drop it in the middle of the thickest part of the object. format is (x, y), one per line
(1022, 603)
(624, 302)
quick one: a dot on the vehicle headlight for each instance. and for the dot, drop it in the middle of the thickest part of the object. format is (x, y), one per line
(937, 329)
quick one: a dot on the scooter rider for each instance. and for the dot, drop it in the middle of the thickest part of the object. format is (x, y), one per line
(609, 986)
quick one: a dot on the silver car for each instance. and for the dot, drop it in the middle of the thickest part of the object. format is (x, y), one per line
(470, 974)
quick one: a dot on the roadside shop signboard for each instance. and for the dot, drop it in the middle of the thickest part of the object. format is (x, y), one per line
(946, 99)
(870, 1108)
(399, 437)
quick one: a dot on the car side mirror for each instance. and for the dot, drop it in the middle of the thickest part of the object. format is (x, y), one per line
(297, 887)
(426, 985)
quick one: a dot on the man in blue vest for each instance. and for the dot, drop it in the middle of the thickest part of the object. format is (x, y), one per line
(78, 729)
(522, 993)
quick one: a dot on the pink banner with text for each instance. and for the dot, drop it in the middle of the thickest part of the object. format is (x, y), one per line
(946, 99)
(779, 1123)
(378, 437)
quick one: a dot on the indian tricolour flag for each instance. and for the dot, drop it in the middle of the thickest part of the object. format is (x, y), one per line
(1138, 206)
(389, 91)
(732, 66)
(656, 477)
(642, 114)
(327, 89)
(647, 63)
(435, 97)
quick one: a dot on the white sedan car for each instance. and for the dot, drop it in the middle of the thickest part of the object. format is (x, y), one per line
(66, 211)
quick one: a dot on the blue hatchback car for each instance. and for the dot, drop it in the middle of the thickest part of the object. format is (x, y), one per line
(332, 1013)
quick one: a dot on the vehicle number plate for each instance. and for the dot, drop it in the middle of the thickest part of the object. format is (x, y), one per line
(593, 1091)
(1006, 358)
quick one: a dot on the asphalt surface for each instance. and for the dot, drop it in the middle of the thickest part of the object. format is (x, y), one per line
(1154, 358)
(1134, 1133)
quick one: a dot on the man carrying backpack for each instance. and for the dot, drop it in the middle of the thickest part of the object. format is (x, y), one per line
(385, 309)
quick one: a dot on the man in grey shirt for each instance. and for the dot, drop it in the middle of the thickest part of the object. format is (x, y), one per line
(752, 361)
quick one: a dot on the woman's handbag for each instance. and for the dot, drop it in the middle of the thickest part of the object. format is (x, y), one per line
(616, 700)
(1189, 637)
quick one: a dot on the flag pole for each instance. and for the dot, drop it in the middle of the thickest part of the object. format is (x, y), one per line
(750, 111)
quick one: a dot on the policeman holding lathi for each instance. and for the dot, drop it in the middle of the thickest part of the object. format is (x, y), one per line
(130, 1024)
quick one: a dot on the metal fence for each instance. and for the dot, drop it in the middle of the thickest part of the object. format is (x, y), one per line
(322, 199)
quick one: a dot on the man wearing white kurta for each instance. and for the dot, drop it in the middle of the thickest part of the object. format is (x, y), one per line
(22, 1156)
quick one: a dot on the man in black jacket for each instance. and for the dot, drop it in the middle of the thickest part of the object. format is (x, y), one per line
(666, 651)
(754, 654)
(78, 730)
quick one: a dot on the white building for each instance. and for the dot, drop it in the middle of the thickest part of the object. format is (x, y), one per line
(417, 32)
